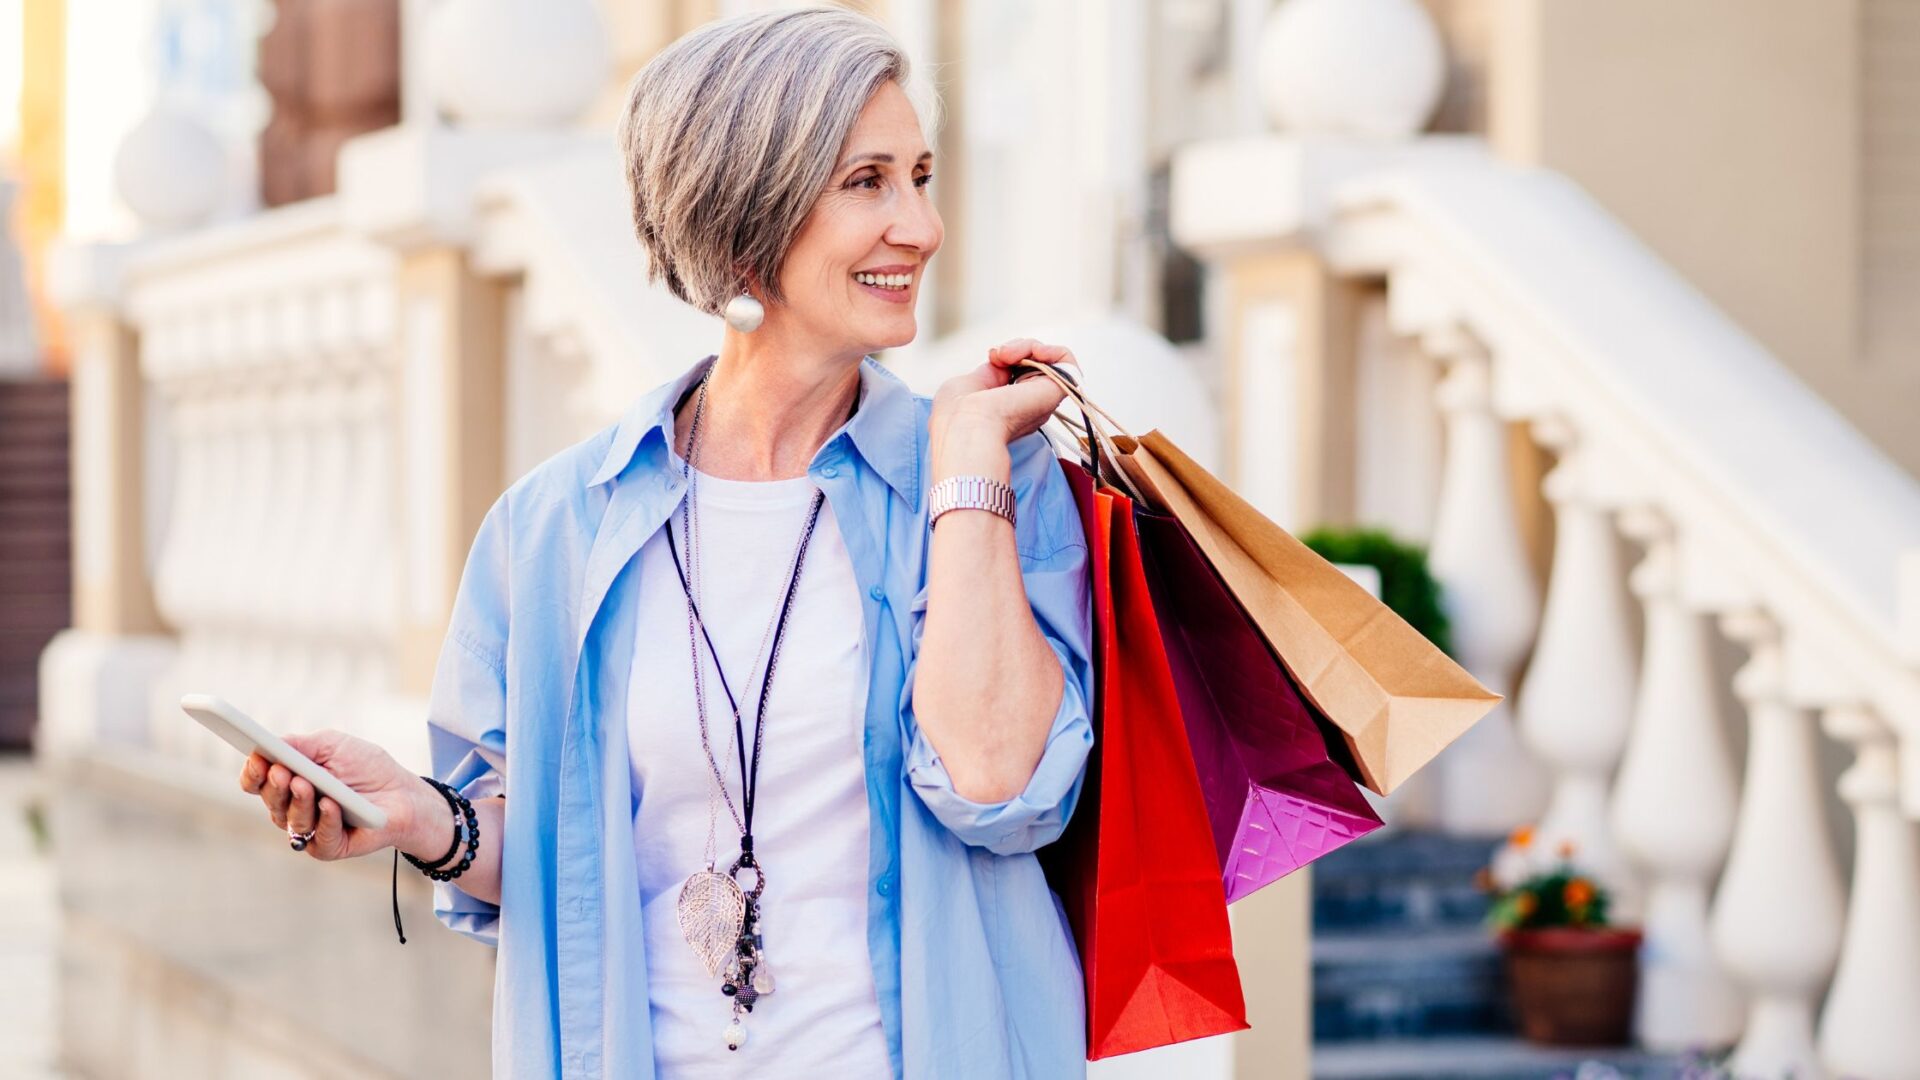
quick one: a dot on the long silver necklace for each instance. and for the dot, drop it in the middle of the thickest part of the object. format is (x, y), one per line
(720, 919)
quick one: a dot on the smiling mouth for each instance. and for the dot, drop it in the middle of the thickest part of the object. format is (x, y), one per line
(889, 282)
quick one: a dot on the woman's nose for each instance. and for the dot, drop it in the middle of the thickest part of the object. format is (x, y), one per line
(918, 225)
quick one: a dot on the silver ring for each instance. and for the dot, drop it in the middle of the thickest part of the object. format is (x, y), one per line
(298, 841)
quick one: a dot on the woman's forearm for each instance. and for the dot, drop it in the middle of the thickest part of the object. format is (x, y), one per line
(987, 684)
(433, 831)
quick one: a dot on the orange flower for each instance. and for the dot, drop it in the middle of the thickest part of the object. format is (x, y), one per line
(1522, 836)
(1565, 849)
(1483, 879)
(1524, 904)
(1579, 894)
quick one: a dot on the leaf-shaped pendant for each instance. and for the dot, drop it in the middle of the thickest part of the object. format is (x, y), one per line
(711, 910)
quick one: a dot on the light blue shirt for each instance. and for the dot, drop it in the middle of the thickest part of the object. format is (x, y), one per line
(973, 962)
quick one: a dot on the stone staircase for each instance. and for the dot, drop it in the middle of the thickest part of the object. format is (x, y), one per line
(35, 531)
(1407, 985)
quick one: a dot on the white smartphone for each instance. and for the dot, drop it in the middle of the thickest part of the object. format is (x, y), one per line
(244, 733)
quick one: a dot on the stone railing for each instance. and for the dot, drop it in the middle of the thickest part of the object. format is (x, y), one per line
(267, 352)
(1763, 522)
(234, 431)
(289, 426)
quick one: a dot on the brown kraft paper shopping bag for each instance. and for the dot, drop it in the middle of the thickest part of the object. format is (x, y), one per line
(1396, 698)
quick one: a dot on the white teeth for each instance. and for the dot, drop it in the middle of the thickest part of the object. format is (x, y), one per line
(885, 281)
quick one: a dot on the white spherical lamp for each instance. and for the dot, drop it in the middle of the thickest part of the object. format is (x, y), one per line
(170, 170)
(1366, 68)
(516, 63)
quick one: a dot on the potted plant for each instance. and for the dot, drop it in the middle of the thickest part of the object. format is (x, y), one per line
(1571, 972)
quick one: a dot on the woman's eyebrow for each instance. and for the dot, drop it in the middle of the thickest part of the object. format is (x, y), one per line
(882, 157)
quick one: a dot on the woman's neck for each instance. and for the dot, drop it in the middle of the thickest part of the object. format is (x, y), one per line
(768, 411)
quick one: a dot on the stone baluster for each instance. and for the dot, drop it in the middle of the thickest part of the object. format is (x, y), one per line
(1776, 915)
(368, 606)
(1488, 782)
(1673, 807)
(1869, 1028)
(1577, 704)
(204, 508)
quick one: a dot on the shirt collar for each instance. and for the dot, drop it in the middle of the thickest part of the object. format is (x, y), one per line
(882, 429)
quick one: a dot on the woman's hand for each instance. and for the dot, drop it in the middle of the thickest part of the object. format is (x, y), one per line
(977, 414)
(366, 768)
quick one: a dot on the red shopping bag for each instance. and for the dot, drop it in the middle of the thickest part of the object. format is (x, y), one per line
(1136, 869)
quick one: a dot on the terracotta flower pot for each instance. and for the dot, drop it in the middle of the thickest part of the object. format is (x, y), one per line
(1574, 987)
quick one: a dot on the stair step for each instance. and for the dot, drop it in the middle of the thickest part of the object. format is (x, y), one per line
(41, 432)
(1377, 986)
(18, 455)
(42, 399)
(39, 545)
(50, 485)
(1489, 1059)
(21, 514)
(1412, 906)
(1402, 883)
(23, 644)
(42, 615)
(1409, 853)
(16, 728)
(33, 578)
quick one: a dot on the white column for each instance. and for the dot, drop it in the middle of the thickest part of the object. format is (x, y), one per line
(1577, 705)
(1871, 1026)
(1673, 808)
(1776, 915)
(1488, 782)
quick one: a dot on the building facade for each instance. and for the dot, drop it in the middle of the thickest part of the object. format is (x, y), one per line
(1605, 304)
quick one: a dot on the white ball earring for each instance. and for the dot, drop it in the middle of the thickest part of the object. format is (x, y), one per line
(744, 313)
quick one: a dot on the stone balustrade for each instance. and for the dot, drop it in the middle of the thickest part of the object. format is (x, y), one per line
(1763, 523)
(267, 354)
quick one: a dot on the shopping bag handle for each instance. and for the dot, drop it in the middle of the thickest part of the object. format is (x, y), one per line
(1096, 441)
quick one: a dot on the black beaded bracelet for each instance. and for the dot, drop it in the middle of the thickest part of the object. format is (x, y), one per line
(461, 809)
(462, 814)
(453, 846)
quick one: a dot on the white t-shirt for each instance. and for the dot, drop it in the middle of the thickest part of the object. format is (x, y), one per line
(810, 821)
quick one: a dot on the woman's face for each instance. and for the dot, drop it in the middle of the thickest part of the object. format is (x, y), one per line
(853, 274)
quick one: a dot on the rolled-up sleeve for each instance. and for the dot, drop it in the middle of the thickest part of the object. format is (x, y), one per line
(1053, 565)
(467, 707)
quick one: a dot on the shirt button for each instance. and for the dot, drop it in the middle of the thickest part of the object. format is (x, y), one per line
(829, 471)
(877, 593)
(885, 886)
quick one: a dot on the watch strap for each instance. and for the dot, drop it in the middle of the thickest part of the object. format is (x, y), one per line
(969, 493)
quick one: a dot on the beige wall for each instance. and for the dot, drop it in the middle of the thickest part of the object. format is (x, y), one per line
(1729, 135)
(1890, 183)
(1467, 31)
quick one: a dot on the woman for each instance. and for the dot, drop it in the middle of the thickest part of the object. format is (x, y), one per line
(720, 639)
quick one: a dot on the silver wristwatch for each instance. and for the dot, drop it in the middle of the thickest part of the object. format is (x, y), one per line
(969, 493)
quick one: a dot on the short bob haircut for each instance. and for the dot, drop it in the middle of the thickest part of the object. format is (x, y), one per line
(731, 132)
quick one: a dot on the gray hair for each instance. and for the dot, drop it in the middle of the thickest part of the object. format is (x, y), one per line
(731, 133)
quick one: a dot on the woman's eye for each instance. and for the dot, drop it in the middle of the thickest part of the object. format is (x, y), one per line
(923, 180)
(874, 179)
